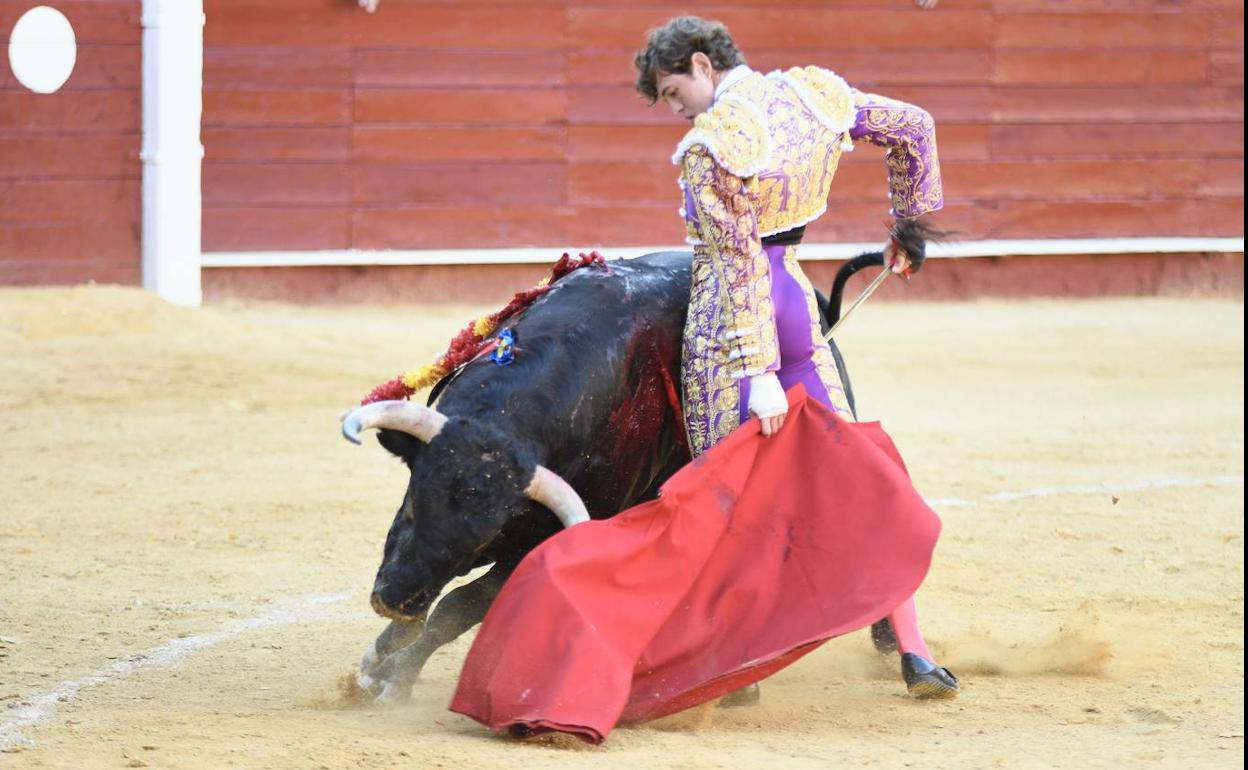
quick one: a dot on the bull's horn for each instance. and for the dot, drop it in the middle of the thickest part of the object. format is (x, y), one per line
(558, 495)
(420, 421)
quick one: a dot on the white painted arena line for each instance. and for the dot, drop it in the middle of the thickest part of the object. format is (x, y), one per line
(36, 708)
(1139, 485)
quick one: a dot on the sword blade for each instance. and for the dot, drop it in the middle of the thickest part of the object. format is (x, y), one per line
(867, 292)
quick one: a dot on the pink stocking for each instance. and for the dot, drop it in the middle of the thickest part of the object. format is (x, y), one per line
(905, 623)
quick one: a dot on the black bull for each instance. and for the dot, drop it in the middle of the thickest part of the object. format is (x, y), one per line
(592, 394)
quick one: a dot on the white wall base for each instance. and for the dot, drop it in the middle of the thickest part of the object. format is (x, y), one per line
(811, 251)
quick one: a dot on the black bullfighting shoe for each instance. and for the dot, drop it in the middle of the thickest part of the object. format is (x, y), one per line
(927, 681)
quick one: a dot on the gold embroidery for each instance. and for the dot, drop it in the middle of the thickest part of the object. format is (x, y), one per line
(793, 189)
(913, 168)
(730, 332)
(827, 95)
(734, 133)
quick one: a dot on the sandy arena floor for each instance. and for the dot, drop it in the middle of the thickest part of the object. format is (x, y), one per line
(186, 545)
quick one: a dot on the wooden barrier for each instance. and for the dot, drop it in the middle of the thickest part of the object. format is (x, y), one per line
(484, 123)
(69, 161)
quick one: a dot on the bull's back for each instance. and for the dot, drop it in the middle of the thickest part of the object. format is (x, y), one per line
(593, 385)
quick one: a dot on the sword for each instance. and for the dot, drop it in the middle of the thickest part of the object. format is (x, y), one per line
(867, 292)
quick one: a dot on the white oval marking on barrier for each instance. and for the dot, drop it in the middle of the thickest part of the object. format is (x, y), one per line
(42, 49)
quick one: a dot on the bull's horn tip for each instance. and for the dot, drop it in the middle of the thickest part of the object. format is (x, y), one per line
(351, 431)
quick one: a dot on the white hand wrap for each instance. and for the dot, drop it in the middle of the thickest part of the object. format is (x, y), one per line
(767, 398)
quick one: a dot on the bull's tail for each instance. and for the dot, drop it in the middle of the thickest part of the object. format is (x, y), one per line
(910, 235)
(831, 310)
(832, 313)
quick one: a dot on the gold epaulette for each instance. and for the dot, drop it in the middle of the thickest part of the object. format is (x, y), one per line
(826, 95)
(734, 132)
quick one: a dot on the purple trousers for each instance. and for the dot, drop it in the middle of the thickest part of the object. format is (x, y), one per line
(795, 332)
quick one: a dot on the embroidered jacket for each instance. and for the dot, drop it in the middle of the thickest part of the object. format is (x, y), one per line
(761, 162)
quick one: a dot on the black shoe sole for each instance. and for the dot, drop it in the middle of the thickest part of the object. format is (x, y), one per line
(932, 688)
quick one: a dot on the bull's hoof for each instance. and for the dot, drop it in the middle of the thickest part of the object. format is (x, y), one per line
(393, 694)
(388, 680)
(746, 696)
(883, 638)
(371, 687)
(927, 681)
(370, 659)
(383, 688)
(383, 692)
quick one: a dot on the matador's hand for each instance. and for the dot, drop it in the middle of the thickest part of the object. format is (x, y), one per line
(907, 248)
(767, 400)
(896, 259)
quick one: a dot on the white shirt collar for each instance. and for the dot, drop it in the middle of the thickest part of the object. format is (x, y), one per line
(733, 76)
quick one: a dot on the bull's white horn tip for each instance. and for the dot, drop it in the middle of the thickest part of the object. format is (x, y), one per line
(351, 429)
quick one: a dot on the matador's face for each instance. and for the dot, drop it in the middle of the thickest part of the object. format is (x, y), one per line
(689, 94)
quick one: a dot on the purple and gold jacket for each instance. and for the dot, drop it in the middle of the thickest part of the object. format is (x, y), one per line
(760, 162)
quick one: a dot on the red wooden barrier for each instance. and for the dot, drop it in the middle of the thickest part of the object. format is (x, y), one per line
(69, 161)
(485, 123)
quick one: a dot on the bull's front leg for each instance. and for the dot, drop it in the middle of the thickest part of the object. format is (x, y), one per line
(390, 670)
(396, 636)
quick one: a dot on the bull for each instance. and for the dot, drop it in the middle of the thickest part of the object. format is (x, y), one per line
(583, 424)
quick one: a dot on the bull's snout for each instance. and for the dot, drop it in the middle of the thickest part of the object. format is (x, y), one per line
(386, 611)
(379, 606)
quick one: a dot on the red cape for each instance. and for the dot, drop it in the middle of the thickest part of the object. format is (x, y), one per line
(752, 556)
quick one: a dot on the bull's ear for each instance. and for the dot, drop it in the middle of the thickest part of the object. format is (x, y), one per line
(398, 443)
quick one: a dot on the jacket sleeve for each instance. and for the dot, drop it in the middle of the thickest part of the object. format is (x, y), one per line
(909, 134)
(742, 270)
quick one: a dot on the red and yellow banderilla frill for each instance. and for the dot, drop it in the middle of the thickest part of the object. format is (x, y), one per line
(473, 339)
